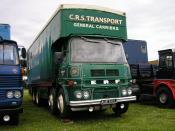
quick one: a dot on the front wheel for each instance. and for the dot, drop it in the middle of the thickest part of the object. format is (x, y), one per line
(52, 101)
(33, 97)
(164, 97)
(120, 108)
(64, 110)
(38, 98)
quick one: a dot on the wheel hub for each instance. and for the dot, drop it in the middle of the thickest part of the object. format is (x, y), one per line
(37, 98)
(50, 102)
(60, 103)
(33, 97)
(163, 98)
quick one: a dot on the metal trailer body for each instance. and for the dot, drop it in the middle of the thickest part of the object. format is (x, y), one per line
(136, 51)
(5, 31)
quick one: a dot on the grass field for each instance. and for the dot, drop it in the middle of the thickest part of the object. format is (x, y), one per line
(138, 118)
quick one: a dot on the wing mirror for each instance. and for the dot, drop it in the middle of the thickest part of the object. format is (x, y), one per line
(23, 53)
(58, 57)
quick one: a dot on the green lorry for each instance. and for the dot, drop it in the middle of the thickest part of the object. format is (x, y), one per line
(77, 61)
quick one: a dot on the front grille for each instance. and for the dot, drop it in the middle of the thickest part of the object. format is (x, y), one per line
(95, 73)
(10, 81)
(112, 73)
(108, 72)
(2, 94)
(103, 93)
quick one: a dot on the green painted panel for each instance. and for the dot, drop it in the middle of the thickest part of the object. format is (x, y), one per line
(93, 22)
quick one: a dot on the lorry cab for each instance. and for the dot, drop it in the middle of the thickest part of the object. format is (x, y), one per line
(91, 70)
(11, 90)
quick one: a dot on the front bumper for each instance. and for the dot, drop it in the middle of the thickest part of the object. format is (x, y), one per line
(11, 111)
(101, 101)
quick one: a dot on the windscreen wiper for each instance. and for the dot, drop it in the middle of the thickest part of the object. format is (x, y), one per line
(111, 42)
(90, 40)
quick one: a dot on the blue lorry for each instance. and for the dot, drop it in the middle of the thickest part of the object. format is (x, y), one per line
(11, 71)
(136, 51)
(142, 72)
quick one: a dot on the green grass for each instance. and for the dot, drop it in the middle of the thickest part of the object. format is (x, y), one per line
(138, 118)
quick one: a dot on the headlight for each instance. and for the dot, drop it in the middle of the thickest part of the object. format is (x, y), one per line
(124, 92)
(129, 91)
(17, 94)
(105, 82)
(93, 82)
(9, 94)
(78, 94)
(74, 71)
(86, 94)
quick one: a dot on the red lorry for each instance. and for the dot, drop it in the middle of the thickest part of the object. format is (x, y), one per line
(156, 83)
(164, 83)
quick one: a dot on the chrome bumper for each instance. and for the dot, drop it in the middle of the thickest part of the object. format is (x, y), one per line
(100, 101)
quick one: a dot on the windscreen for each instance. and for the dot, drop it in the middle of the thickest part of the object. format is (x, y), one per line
(97, 50)
(166, 61)
(8, 54)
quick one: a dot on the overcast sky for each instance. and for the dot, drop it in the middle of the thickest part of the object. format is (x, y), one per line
(149, 20)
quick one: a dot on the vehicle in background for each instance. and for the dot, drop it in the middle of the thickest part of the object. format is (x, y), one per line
(165, 79)
(142, 72)
(136, 51)
(5, 31)
(23, 61)
(143, 76)
(77, 62)
(22, 49)
(11, 90)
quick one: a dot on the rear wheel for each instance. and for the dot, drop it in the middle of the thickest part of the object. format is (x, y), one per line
(164, 97)
(121, 108)
(38, 98)
(52, 101)
(33, 97)
(64, 110)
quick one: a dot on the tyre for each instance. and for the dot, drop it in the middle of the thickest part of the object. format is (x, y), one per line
(38, 99)
(14, 119)
(33, 97)
(164, 97)
(64, 110)
(52, 101)
(120, 108)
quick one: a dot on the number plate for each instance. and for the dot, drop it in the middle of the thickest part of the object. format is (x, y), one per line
(110, 101)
